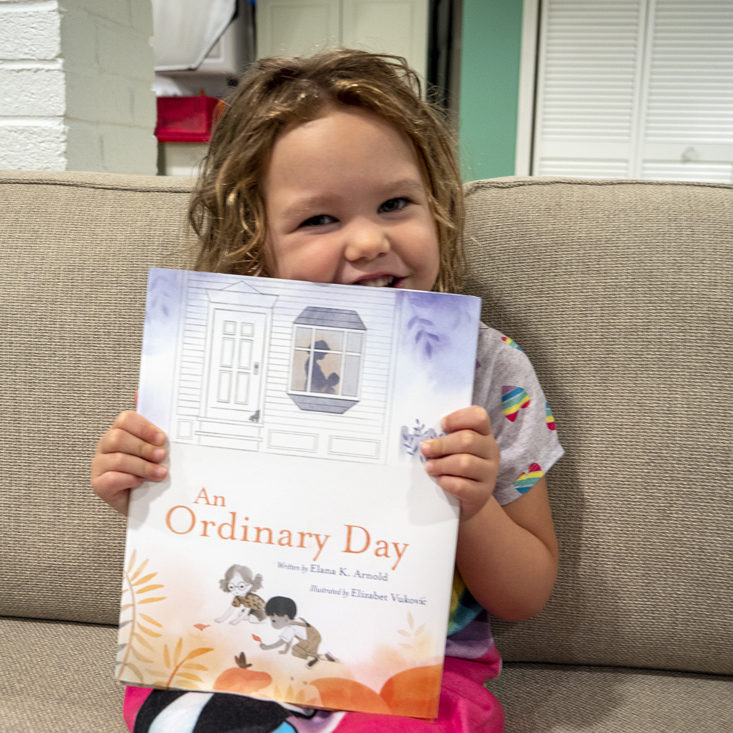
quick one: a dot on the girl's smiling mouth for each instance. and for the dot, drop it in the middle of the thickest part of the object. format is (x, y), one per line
(382, 281)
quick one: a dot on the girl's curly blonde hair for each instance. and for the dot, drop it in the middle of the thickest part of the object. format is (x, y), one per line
(227, 210)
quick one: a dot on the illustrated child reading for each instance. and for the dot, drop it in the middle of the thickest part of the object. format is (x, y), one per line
(334, 169)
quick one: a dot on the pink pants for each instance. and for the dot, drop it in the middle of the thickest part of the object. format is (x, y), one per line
(466, 706)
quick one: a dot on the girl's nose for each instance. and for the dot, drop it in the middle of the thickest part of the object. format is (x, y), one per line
(365, 240)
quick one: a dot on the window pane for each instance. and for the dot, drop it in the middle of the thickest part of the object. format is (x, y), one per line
(350, 384)
(246, 329)
(298, 378)
(354, 341)
(303, 337)
(326, 372)
(229, 328)
(334, 340)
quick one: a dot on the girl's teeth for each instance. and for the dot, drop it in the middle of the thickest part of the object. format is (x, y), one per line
(379, 282)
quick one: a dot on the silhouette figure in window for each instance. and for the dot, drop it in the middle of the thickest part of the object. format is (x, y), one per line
(319, 381)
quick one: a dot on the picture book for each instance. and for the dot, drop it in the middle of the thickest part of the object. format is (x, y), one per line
(297, 551)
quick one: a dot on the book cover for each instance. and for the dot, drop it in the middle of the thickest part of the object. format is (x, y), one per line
(297, 551)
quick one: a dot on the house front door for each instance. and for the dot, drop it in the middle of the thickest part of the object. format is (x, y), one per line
(234, 389)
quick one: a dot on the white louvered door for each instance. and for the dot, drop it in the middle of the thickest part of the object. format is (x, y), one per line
(635, 89)
(688, 116)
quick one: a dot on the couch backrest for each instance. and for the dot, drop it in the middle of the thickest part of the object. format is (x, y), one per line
(618, 291)
(75, 249)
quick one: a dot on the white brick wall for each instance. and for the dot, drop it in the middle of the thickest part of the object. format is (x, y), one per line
(76, 85)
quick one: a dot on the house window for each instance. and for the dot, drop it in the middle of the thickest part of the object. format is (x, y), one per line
(328, 347)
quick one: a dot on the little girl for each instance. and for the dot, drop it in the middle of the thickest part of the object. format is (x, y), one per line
(333, 169)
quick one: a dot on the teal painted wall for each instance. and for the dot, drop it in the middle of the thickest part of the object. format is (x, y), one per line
(489, 87)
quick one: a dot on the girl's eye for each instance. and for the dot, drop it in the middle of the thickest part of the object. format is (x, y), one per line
(395, 204)
(320, 220)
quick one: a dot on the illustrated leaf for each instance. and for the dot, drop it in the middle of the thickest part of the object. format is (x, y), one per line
(166, 656)
(144, 579)
(420, 630)
(410, 619)
(403, 632)
(177, 652)
(187, 685)
(135, 653)
(160, 683)
(138, 571)
(131, 564)
(198, 652)
(152, 600)
(151, 620)
(148, 588)
(256, 638)
(194, 665)
(189, 676)
(142, 640)
(148, 631)
(125, 607)
(135, 670)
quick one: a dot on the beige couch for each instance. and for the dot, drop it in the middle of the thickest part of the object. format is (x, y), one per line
(621, 294)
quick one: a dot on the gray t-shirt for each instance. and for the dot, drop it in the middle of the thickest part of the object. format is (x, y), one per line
(507, 387)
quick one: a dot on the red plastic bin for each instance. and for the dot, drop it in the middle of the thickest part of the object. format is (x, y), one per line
(186, 119)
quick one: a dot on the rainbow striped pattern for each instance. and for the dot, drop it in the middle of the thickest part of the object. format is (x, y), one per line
(511, 342)
(529, 478)
(513, 399)
(549, 419)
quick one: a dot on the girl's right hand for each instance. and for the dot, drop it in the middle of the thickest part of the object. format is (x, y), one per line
(128, 454)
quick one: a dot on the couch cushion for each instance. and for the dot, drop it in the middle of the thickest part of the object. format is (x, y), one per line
(620, 292)
(59, 676)
(74, 254)
(557, 698)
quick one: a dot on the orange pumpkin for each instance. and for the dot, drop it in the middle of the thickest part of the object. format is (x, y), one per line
(340, 693)
(241, 679)
(407, 693)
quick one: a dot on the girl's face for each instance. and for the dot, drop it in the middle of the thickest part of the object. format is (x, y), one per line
(345, 203)
(238, 585)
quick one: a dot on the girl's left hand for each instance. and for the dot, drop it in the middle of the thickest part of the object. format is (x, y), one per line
(465, 461)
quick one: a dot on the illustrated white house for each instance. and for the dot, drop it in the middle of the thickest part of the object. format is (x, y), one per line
(264, 367)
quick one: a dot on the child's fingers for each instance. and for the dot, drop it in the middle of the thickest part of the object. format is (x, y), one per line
(114, 473)
(463, 489)
(119, 441)
(467, 431)
(110, 483)
(134, 423)
(462, 465)
(467, 418)
(462, 442)
(113, 487)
